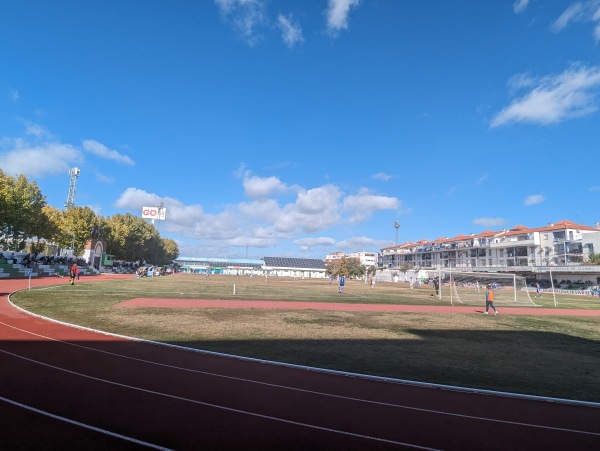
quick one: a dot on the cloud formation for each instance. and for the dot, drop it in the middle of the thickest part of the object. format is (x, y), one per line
(533, 199)
(364, 204)
(520, 5)
(382, 176)
(264, 220)
(102, 151)
(581, 12)
(246, 17)
(490, 222)
(291, 32)
(38, 159)
(337, 14)
(553, 98)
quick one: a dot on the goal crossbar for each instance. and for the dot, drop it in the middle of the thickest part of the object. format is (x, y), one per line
(469, 288)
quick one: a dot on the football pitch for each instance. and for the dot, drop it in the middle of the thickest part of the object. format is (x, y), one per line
(555, 356)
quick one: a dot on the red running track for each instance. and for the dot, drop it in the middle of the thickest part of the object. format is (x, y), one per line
(64, 387)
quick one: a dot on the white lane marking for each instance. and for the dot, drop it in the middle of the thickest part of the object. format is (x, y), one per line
(217, 406)
(83, 425)
(301, 390)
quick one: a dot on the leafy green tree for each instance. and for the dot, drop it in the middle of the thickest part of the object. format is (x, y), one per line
(355, 268)
(75, 228)
(170, 251)
(131, 238)
(350, 267)
(21, 210)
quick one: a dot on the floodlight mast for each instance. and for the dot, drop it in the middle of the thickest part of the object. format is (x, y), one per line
(396, 226)
(73, 176)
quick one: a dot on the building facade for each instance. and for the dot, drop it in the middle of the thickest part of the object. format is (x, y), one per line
(519, 249)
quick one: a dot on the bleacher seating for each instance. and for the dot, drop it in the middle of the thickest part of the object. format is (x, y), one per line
(18, 270)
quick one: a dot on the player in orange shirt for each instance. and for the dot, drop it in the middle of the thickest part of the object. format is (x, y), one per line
(489, 300)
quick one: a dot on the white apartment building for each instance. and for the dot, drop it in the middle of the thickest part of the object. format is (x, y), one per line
(563, 246)
(366, 259)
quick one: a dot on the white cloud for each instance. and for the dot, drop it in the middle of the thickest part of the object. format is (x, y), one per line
(102, 151)
(382, 176)
(337, 14)
(38, 160)
(520, 5)
(36, 130)
(245, 16)
(361, 244)
(553, 98)
(490, 222)
(364, 204)
(264, 221)
(571, 13)
(291, 32)
(581, 12)
(533, 199)
(14, 95)
(104, 178)
(262, 187)
(316, 241)
(481, 179)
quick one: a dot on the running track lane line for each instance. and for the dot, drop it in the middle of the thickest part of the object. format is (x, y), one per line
(83, 425)
(284, 387)
(216, 406)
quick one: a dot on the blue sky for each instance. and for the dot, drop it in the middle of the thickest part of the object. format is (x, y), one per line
(300, 128)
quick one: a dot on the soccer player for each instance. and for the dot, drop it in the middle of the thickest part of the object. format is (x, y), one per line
(72, 274)
(489, 300)
(342, 283)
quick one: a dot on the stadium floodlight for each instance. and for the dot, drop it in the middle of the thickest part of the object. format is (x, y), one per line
(396, 226)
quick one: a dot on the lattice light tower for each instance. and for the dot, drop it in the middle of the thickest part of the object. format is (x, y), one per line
(73, 176)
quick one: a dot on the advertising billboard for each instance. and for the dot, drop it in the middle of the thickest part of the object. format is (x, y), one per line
(153, 213)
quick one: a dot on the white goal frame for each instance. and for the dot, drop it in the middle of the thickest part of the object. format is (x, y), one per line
(452, 283)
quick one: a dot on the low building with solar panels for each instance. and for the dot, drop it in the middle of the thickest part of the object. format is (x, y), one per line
(308, 268)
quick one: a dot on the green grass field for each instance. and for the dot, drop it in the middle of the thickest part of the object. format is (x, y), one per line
(556, 356)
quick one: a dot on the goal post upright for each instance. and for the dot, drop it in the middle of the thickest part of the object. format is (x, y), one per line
(468, 287)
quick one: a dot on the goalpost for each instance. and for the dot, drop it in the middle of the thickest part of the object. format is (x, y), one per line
(469, 288)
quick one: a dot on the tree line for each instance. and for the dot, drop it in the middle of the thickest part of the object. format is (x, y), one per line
(27, 222)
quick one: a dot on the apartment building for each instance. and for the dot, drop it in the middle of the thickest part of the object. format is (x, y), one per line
(563, 244)
(366, 259)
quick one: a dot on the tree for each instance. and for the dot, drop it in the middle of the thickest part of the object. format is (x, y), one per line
(20, 210)
(170, 251)
(131, 238)
(346, 267)
(355, 268)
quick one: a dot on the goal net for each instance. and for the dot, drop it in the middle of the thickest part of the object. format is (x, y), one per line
(469, 288)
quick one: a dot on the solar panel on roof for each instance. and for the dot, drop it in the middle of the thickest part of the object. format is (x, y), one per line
(287, 262)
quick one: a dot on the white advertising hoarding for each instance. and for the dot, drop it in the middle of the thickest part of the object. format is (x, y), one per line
(153, 213)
